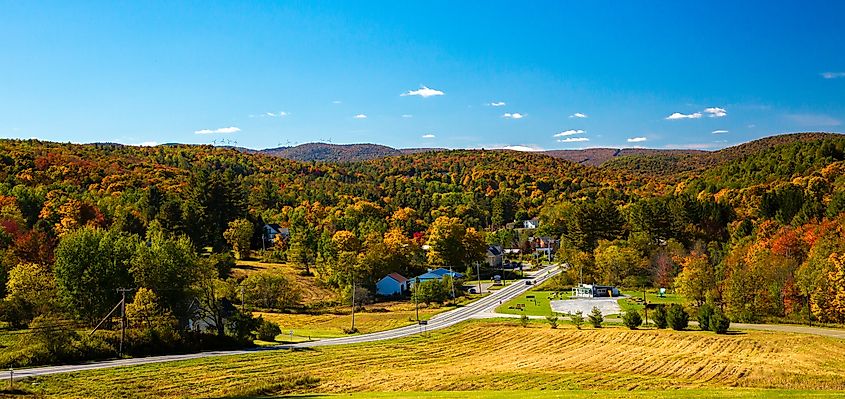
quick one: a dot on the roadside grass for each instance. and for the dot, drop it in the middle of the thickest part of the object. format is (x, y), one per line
(379, 317)
(487, 356)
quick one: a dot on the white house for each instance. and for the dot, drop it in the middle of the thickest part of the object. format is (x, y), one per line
(594, 291)
(272, 231)
(531, 223)
(392, 284)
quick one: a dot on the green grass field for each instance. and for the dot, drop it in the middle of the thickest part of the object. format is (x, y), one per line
(476, 359)
(537, 306)
(652, 297)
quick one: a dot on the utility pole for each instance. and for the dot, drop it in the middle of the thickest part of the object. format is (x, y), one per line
(122, 292)
(11, 378)
(243, 300)
(452, 281)
(416, 303)
(478, 274)
(353, 301)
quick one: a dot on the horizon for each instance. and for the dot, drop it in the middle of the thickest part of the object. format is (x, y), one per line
(539, 76)
(507, 148)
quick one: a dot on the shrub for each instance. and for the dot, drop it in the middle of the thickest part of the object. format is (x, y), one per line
(523, 320)
(267, 330)
(677, 317)
(552, 321)
(632, 319)
(659, 316)
(719, 323)
(577, 319)
(704, 314)
(596, 317)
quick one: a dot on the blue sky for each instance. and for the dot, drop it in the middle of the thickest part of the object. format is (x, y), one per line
(264, 74)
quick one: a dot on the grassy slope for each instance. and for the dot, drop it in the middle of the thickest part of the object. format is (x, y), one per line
(491, 356)
(310, 290)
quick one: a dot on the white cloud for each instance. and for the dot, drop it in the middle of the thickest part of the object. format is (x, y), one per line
(360, 116)
(523, 148)
(515, 115)
(716, 112)
(423, 92)
(223, 130)
(428, 136)
(407, 116)
(146, 144)
(578, 115)
(719, 131)
(636, 139)
(833, 75)
(573, 140)
(337, 102)
(569, 132)
(497, 104)
(678, 115)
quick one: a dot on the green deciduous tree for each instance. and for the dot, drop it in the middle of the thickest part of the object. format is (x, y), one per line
(90, 265)
(239, 236)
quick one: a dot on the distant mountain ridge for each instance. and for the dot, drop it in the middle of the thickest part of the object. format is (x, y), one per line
(324, 152)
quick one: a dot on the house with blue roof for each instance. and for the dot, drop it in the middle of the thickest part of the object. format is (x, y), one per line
(437, 274)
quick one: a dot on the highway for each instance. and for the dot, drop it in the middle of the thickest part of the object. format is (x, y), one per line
(484, 307)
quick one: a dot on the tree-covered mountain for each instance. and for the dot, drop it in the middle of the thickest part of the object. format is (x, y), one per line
(757, 229)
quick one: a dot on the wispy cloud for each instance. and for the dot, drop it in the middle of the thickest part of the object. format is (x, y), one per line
(515, 115)
(636, 139)
(719, 131)
(810, 120)
(360, 116)
(678, 115)
(833, 75)
(424, 92)
(222, 130)
(716, 112)
(578, 115)
(428, 136)
(693, 146)
(497, 104)
(406, 116)
(573, 140)
(337, 102)
(569, 132)
(523, 148)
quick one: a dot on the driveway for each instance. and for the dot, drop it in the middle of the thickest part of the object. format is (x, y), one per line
(585, 305)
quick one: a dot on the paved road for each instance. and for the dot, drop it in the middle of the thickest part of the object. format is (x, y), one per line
(485, 305)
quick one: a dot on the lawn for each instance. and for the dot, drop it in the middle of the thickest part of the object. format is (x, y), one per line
(652, 297)
(539, 305)
(488, 356)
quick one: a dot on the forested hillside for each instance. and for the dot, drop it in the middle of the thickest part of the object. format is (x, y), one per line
(756, 229)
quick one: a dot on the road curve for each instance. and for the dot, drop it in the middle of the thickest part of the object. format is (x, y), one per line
(485, 305)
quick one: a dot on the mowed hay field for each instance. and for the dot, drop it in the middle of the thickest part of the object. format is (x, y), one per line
(489, 356)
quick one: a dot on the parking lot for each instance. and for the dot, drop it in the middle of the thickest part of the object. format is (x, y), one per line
(585, 305)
